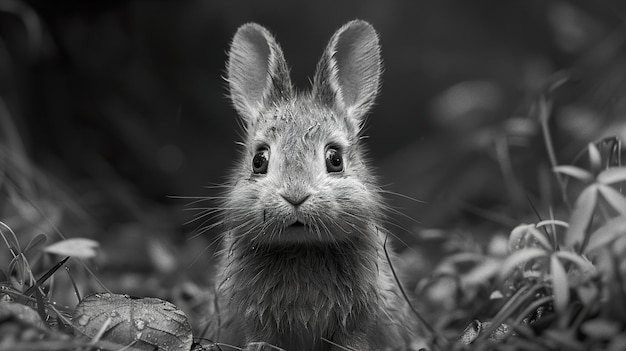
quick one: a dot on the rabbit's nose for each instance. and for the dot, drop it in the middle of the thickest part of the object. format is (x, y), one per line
(295, 199)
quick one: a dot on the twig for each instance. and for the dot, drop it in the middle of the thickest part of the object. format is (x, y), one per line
(337, 345)
(430, 329)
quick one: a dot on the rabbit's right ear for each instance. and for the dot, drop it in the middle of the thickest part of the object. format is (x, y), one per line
(257, 72)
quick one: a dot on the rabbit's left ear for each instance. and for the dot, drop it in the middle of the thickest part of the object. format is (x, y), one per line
(348, 75)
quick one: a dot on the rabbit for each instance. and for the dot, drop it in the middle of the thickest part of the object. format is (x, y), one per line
(302, 264)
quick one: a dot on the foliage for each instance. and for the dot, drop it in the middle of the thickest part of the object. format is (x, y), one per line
(560, 284)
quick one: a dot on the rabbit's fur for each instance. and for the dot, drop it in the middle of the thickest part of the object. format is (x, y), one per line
(303, 265)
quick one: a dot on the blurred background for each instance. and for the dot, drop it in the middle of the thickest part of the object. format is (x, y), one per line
(112, 110)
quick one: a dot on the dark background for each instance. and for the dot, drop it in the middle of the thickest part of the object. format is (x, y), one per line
(111, 109)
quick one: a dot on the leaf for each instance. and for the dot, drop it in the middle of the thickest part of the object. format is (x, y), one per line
(46, 276)
(541, 238)
(584, 266)
(496, 295)
(600, 329)
(612, 175)
(617, 343)
(481, 273)
(609, 232)
(581, 215)
(565, 339)
(560, 286)
(75, 247)
(147, 323)
(588, 294)
(36, 243)
(614, 198)
(551, 222)
(517, 237)
(594, 157)
(21, 312)
(574, 172)
(520, 257)
(11, 241)
(526, 236)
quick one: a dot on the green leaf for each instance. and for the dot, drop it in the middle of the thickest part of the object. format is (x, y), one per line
(612, 175)
(614, 198)
(560, 286)
(520, 257)
(581, 215)
(574, 172)
(594, 157)
(608, 233)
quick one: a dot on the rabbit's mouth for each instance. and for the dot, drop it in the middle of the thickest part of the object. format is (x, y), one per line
(297, 224)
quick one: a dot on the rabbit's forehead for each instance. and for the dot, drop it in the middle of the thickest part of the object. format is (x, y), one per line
(301, 124)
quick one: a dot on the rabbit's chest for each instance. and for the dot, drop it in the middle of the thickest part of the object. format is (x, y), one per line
(306, 293)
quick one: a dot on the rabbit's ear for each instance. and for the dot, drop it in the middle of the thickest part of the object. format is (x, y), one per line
(257, 72)
(348, 75)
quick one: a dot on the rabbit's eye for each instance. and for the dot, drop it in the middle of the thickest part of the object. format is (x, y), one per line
(260, 161)
(334, 160)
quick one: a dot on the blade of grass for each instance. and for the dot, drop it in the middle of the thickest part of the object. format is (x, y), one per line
(545, 109)
(532, 308)
(67, 269)
(581, 217)
(524, 294)
(58, 232)
(509, 307)
(14, 244)
(45, 277)
(41, 306)
(36, 243)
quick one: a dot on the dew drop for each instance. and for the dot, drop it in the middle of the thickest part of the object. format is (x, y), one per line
(140, 324)
(83, 320)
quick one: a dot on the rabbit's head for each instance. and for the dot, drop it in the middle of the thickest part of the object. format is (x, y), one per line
(302, 176)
